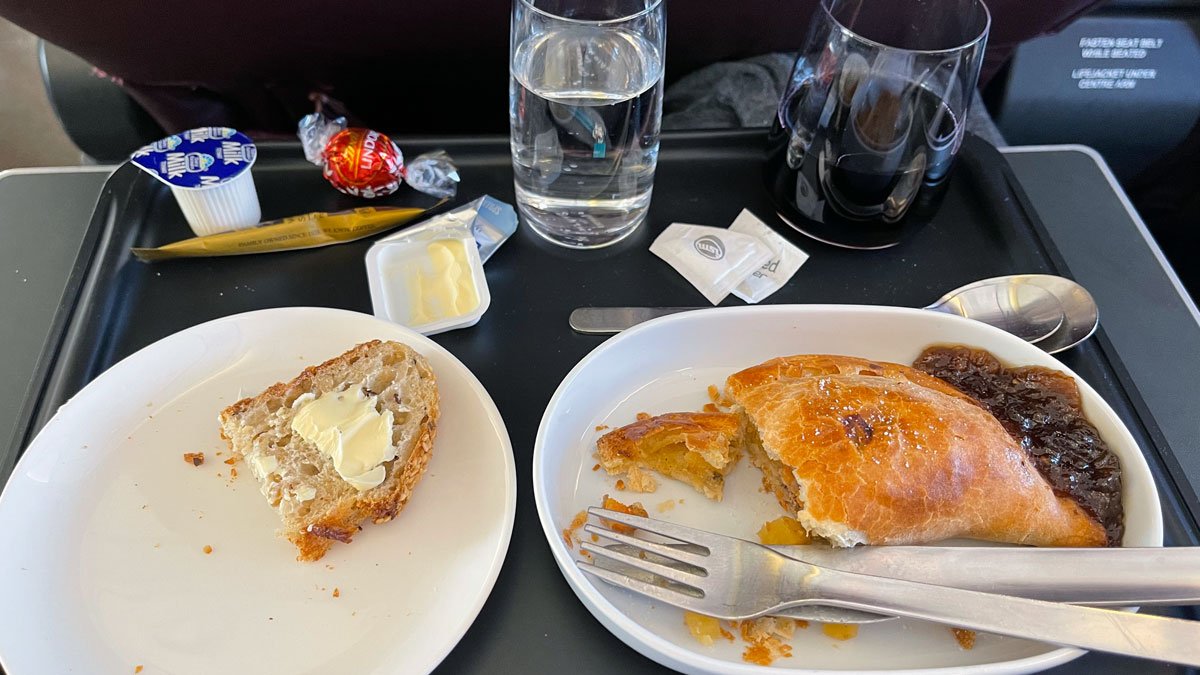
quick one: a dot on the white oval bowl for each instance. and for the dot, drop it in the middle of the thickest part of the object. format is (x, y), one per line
(666, 364)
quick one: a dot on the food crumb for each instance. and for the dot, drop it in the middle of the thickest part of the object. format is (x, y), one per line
(207, 549)
(840, 631)
(233, 472)
(231, 460)
(663, 507)
(194, 458)
(783, 531)
(336, 592)
(620, 484)
(640, 481)
(801, 623)
(137, 669)
(643, 416)
(634, 509)
(765, 639)
(596, 467)
(220, 475)
(714, 394)
(576, 523)
(601, 427)
(710, 408)
(705, 629)
(219, 454)
(965, 638)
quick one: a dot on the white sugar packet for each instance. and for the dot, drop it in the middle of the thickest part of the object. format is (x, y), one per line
(713, 259)
(786, 258)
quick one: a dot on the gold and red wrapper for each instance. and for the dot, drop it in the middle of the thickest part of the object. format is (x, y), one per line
(363, 163)
(311, 230)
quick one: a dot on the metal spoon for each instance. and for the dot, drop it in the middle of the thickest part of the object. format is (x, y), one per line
(1052, 312)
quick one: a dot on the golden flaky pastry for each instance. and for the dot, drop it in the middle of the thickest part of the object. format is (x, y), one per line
(865, 452)
(696, 448)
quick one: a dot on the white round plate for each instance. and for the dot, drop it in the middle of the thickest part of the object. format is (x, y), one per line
(103, 524)
(666, 365)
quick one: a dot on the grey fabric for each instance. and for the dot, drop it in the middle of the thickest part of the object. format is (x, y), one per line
(746, 93)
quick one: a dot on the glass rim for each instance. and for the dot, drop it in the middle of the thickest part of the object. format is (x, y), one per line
(987, 27)
(592, 22)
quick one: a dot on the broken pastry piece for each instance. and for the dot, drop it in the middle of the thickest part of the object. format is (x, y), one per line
(699, 449)
(866, 452)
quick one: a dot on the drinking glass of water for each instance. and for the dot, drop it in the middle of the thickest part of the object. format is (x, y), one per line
(873, 115)
(585, 105)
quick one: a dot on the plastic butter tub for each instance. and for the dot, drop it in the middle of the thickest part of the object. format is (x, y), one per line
(431, 281)
(208, 171)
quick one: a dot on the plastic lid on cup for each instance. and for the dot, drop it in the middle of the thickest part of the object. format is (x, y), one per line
(198, 158)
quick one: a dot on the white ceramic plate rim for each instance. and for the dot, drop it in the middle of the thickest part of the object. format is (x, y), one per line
(668, 653)
(317, 315)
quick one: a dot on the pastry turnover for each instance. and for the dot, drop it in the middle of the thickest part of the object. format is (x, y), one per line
(867, 452)
(696, 448)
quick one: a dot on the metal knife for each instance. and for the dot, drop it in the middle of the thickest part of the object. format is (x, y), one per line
(1113, 577)
(610, 320)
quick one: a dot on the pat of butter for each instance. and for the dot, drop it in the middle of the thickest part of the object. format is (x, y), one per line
(346, 428)
(262, 465)
(442, 286)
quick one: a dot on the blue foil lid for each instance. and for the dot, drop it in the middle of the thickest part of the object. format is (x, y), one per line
(197, 158)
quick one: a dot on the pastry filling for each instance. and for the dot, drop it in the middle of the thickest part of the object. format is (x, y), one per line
(777, 478)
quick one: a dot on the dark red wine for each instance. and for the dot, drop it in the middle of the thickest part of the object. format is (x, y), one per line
(860, 164)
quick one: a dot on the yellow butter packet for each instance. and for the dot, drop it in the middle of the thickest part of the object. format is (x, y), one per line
(310, 230)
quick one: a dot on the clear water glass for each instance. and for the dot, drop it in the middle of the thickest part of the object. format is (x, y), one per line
(585, 106)
(873, 117)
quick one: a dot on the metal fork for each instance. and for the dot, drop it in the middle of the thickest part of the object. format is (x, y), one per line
(735, 579)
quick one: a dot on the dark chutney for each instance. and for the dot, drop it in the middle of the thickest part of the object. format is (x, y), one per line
(1041, 409)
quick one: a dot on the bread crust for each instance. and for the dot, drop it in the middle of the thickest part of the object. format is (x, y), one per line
(379, 504)
(885, 454)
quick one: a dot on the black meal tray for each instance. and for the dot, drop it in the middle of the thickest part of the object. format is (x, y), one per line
(522, 348)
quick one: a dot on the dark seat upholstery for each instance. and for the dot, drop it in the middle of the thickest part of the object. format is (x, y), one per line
(408, 67)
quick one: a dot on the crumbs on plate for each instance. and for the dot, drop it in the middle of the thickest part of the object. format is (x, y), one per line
(765, 639)
(634, 509)
(965, 638)
(783, 531)
(705, 629)
(207, 549)
(194, 458)
(840, 631)
(569, 533)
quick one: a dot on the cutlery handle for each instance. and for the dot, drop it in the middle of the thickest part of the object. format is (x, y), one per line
(1086, 576)
(609, 320)
(1104, 630)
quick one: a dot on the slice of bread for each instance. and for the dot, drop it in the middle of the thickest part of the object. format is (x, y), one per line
(317, 506)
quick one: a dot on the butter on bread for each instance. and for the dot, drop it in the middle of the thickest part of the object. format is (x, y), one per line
(699, 449)
(867, 452)
(317, 506)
